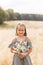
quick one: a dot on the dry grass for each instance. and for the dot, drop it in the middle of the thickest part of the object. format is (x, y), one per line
(35, 33)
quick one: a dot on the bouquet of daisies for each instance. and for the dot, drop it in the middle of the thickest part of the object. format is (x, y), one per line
(21, 47)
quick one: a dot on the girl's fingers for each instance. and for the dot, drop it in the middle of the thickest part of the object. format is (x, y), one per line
(21, 56)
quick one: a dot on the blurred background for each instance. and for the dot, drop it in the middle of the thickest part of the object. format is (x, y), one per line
(29, 12)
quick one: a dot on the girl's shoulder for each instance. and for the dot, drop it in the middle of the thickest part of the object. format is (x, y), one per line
(14, 40)
(28, 39)
(29, 42)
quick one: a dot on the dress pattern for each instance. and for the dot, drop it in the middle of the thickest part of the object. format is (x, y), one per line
(22, 47)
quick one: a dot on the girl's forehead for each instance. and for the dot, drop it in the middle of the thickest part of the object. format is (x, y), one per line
(20, 26)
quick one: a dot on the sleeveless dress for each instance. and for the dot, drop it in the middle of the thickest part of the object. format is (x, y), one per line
(16, 59)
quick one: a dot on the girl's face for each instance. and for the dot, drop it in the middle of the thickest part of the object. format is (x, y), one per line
(20, 30)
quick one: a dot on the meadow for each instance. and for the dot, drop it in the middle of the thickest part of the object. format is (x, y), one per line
(34, 32)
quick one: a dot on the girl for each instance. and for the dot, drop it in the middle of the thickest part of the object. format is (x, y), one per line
(21, 47)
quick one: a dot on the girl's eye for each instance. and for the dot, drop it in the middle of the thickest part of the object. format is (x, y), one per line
(21, 30)
(18, 30)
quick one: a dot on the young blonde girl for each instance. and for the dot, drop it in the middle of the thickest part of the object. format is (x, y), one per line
(21, 47)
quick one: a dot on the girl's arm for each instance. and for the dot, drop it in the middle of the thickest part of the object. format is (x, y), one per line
(30, 47)
(13, 51)
(28, 51)
(11, 46)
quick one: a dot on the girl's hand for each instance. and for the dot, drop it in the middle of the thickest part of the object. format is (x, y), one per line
(21, 55)
(14, 51)
(25, 54)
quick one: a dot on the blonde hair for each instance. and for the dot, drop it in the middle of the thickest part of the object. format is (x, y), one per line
(21, 24)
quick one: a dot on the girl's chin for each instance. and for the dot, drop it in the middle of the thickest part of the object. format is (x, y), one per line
(21, 35)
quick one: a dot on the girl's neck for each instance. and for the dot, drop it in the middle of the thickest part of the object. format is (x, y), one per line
(21, 37)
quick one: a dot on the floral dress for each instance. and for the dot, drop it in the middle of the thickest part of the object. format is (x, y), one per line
(22, 47)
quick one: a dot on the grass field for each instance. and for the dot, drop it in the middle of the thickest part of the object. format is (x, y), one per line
(34, 32)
